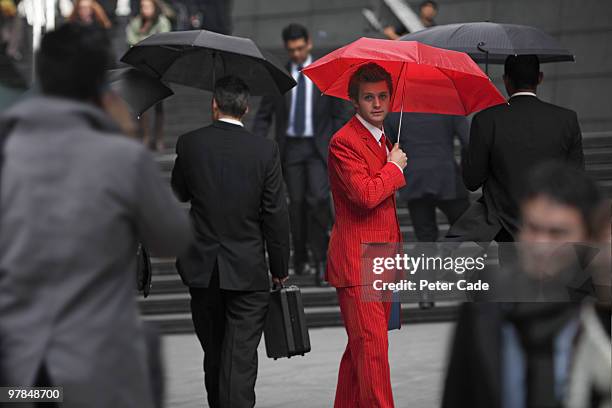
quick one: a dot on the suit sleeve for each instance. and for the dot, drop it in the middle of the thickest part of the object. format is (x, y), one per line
(179, 184)
(575, 154)
(475, 161)
(275, 217)
(263, 117)
(361, 188)
(162, 225)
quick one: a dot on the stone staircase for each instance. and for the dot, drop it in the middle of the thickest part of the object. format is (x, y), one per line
(168, 304)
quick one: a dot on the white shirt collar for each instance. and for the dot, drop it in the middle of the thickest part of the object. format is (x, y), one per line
(523, 93)
(374, 131)
(232, 121)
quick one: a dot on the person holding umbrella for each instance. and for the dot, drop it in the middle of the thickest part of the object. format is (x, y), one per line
(235, 185)
(365, 171)
(506, 142)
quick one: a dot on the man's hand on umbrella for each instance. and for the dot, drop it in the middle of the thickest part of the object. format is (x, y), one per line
(397, 156)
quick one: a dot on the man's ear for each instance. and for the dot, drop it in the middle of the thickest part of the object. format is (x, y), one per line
(540, 77)
(248, 109)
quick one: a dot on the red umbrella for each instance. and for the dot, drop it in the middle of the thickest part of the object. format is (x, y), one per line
(426, 79)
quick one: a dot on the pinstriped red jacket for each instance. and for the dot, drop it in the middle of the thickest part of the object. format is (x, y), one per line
(363, 186)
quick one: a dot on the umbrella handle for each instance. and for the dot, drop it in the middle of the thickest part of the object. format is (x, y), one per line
(399, 130)
(479, 46)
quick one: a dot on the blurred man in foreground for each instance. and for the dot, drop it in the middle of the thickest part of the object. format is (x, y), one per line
(515, 355)
(234, 182)
(365, 172)
(76, 198)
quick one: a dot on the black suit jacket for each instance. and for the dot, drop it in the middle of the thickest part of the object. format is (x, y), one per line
(428, 140)
(328, 115)
(234, 182)
(506, 142)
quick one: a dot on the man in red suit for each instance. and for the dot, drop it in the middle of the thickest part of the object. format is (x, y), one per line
(365, 171)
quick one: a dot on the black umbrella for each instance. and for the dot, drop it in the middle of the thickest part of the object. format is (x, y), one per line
(139, 90)
(196, 58)
(491, 43)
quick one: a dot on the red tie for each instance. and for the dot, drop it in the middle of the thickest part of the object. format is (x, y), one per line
(383, 144)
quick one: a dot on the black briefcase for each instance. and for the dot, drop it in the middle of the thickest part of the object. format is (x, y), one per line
(285, 331)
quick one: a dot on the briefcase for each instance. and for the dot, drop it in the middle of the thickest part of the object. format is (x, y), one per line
(285, 331)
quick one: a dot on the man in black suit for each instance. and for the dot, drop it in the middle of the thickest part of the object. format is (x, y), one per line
(305, 122)
(433, 178)
(235, 185)
(506, 141)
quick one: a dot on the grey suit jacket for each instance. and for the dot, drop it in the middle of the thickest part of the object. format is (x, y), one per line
(76, 198)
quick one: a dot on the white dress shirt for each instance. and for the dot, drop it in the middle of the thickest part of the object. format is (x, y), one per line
(232, 121)
(376, 133)
(308, 129)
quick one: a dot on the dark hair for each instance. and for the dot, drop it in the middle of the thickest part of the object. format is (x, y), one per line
(370, 72)
(232, 96)
(72, 61)
(523, 71)
(294, 32)
(428, 3)
(565, 185)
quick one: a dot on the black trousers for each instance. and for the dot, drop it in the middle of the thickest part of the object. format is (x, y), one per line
(305, 173)
(423, 215)
(229, 325)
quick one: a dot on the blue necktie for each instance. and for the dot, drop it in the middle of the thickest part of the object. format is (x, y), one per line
(299, 118)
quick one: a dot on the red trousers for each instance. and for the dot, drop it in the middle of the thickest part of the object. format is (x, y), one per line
(364, 379)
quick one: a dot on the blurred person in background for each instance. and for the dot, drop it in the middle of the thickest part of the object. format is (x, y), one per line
(428, 10)
(89, 13)
(433, 178)
(517, 355)
(76, 197)
(149, 21)
(506, 142)
(305, 121)
(11, 29)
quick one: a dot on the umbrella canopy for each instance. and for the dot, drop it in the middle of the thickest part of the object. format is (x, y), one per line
(196, 58)
(425, 79)
(139, 90)
(491, 42)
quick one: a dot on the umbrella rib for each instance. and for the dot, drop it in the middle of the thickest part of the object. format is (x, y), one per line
(458, 95)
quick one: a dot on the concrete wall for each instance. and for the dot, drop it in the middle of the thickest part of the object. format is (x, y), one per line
(584, 26)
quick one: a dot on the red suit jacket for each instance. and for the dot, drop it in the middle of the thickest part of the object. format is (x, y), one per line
(363, 186)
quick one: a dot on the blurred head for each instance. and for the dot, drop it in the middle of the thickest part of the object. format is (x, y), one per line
(230, 98)
(72, 61)
(88, 12)
(149, 10)
(559, 205)
(522, 73)
(370, 90)
(84, 9)
(297, 43)
(428, 10)
(557, 211)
